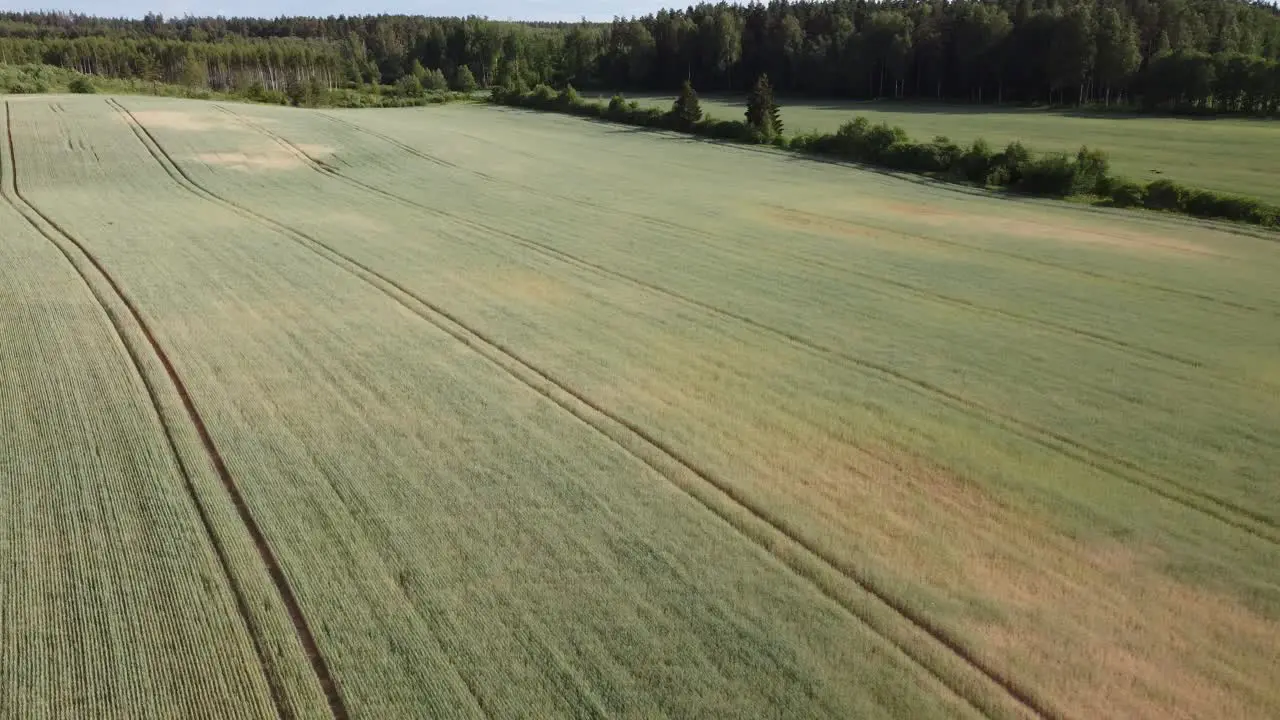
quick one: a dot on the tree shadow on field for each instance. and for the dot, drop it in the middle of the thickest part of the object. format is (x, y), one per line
(915, 108)
(926, 107)
(1157, 115)
(613, 128)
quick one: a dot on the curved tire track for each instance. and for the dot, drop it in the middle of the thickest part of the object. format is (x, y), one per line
(939, 298)
(305, 635)
(1236, 516)
(714, 494)
(48, 228)
(184, 181)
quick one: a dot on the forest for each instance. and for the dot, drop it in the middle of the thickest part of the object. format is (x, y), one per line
(1209, 56)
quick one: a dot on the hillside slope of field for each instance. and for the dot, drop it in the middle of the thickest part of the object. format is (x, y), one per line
(539, 416)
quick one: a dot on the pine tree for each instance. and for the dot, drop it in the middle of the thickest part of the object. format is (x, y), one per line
(410, 86)
(686, 111)
(763, 115)
(193, 70)
(297, 93)
(464, 80)
(434, 80)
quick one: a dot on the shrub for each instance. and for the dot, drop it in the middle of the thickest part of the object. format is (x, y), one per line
(543, 96)
(591, 109)
(1165, 195)
(1006, 167)
(947, 153)
(1248, 210)
(258, 92)
(849, 138)
(1207, 204)
(859, 140)
(1203, 203)
(852, 131)
(1053, 174)
(881, 137)
(1092, 171)
(464, 80)
(723, 129)
(977, 163)
(569, 97)
(296, 92)
(910, 156)
(814, 142)
(617, 107)
(410, 86)
(650, 117)
(934, 157)
(81, 86)
(434, 81)
(1126, 193)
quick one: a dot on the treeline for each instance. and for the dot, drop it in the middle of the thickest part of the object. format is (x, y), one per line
(234, 53)
(411, 91)
(1014, 168)
(1218, 55)
(1199, 55)
(222, 66)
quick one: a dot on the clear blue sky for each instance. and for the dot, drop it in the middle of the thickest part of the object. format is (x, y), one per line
(568, 10)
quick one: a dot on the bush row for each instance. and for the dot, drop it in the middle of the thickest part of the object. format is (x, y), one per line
(1168, 195)
(314, 94)
(1014, 168)
(25, 79)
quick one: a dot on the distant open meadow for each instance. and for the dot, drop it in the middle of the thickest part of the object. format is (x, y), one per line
(469, 411)
(1230, 155)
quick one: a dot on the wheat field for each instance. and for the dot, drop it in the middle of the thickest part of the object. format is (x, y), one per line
(466, 411)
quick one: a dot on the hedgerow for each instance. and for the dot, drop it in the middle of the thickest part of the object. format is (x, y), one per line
(1016, 168)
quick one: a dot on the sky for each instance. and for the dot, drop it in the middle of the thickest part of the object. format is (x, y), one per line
(552, 10)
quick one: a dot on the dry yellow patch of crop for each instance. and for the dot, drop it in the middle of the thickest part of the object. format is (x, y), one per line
(182, 120)
(1096, 626)
(526, 286)
(937, 216)
(256, 160)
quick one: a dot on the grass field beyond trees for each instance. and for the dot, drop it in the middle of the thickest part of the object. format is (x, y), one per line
(1229, 155)
(469, 411)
